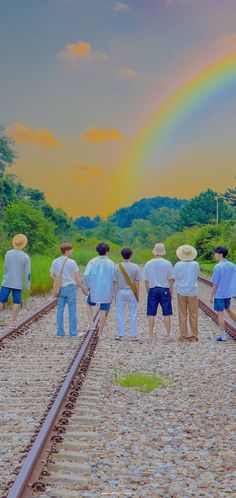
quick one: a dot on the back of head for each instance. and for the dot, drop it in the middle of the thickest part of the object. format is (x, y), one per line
(126, 253)
(223, 250)
(102, 248)
(66, 246)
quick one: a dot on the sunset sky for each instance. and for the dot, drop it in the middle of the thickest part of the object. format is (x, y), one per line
(81, 80)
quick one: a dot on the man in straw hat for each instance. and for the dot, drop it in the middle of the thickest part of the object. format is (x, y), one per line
(158, 276)
(16, 274)
(186, 273)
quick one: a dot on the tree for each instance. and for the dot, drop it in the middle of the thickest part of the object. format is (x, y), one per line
(7, 153)
(124, 217)
(87, 223)
(23, 218)
(201, 210)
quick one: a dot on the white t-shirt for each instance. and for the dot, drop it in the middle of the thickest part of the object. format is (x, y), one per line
(186, 274)
(70, 268)
(158, 271)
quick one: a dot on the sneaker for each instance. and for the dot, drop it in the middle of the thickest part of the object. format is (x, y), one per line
(219, 339)
(134, 338)
(118, 338)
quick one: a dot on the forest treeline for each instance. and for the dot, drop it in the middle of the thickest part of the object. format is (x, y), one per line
(140, 225)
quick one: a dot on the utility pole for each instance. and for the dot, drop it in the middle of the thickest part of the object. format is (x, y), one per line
(217, 209)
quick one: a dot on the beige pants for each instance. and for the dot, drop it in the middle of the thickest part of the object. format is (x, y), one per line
(188, 307)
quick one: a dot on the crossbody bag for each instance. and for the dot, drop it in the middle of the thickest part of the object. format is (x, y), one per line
(129, 281)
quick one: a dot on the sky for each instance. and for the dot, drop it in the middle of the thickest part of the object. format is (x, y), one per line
(80, 80)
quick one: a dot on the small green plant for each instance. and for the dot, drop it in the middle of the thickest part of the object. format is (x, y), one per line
(143, 382)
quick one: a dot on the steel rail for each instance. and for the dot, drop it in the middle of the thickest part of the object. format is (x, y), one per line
(33, 317)
(230, 329)
(23, 485)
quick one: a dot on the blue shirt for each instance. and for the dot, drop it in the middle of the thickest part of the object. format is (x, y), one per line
(98, 278)
(224, 277)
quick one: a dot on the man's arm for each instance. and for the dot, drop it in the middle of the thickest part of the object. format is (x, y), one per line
(79, 283)
(147, 285)
(87, 275)
(137, 283)
(27, 274)
(213, 289)
(171, 285)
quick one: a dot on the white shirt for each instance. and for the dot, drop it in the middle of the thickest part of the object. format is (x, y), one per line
(98, 278)
(186, 274)
(158, 271)
(70, 268)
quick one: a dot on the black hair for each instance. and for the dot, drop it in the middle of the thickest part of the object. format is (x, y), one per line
(102, 248)
(126, 252)
(221, 250)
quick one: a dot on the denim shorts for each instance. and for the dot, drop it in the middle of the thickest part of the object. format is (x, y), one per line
(156, 296)
(103, 306)
(5, 293)
(221, 304)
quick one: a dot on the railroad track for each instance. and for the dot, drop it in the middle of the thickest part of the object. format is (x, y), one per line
(25, 323)
(53, 424)
(34, 477)
(208, 309)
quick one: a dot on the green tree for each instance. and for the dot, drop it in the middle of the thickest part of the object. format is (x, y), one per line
(23, 218)
(108, 231)
(7, 153)
(201, 210)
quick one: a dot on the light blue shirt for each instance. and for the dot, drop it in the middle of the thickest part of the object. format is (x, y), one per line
(98, 278)
(186, 275)
(224, 277)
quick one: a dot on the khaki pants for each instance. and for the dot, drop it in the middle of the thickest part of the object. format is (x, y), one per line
(188, 307)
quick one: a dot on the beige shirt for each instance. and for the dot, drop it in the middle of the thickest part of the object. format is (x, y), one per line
(133, 271)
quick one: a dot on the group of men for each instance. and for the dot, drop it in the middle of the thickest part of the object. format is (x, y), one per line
(105, 282)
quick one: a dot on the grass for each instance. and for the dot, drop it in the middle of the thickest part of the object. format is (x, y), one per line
(143, 382)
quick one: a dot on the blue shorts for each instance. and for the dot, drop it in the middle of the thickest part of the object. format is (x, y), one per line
(156, 296)
(103, 306)
(5, 292)
(222, 304)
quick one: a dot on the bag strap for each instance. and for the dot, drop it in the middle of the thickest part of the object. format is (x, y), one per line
(62, 268)
(128, 280)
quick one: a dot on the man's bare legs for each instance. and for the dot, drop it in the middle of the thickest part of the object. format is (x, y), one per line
(102, 321)
(151, 322)
(15, 310)
(231, 313)
(90, 314)
(167, 322)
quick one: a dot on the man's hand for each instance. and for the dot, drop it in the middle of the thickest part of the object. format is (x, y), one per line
(211, 299)
(85, 292)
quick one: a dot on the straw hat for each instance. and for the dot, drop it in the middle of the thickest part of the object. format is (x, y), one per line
(19, 241)
(186, 253)
(159, 249)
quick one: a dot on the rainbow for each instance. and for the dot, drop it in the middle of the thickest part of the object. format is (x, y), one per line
(180, 104)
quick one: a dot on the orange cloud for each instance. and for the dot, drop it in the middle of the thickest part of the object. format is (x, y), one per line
(80, 50)
(92, 170)
(98, 135)
(127, 72)
(23, 134)
(121, 7)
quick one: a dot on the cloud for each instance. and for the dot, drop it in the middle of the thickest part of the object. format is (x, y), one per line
(24, 134)
(80, 50)
(121, 7)
(127, 72)
(91, 170)
(229, 39)
(99, 135)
